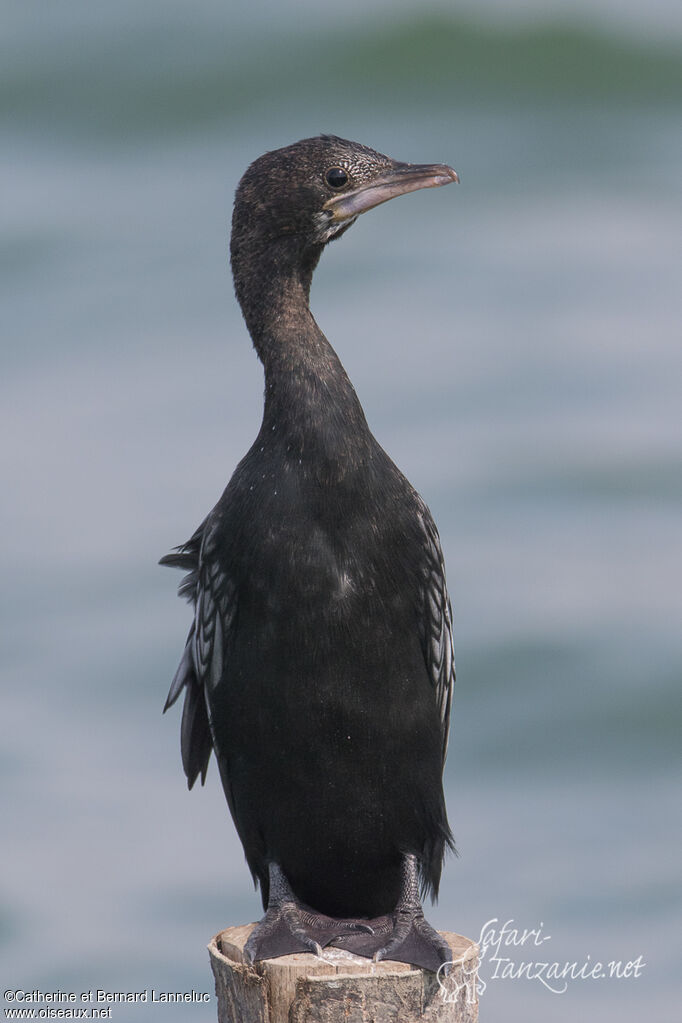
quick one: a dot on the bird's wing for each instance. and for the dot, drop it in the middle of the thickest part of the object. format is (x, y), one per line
(436, 623)
(201, 667)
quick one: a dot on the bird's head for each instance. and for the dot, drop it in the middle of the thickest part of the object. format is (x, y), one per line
(312, 191)
(292, 201)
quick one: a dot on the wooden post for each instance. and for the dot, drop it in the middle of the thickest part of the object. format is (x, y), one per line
(340, 986)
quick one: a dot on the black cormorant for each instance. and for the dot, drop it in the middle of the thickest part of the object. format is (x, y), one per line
(319, 665)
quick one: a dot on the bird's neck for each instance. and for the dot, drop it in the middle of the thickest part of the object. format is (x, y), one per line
(308, 395)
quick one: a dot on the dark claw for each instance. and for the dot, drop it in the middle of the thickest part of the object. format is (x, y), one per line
(281, 932)
(404, 935)
(288, 926)
(415, 941)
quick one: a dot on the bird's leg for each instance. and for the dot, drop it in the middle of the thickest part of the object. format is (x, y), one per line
(413, 939)
(403, 935)
(290, 926)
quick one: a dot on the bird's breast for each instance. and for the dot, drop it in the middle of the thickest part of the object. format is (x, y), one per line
(327, 547)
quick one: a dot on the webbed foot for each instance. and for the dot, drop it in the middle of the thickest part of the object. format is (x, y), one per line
(289, 926)
(403, 935)
(414, 940)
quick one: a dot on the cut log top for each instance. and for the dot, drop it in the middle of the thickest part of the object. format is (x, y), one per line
(340, 986)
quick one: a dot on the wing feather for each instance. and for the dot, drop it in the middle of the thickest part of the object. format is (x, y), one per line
(202, 664)
(437, 632)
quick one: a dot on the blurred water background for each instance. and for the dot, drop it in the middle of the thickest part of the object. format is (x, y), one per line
(516, 344)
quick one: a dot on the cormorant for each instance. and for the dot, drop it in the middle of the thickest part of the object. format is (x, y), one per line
(319, 666)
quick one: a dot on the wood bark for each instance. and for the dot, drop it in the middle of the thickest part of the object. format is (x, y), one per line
(340, 986)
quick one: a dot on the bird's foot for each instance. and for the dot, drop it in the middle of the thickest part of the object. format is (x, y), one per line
(289, 926)
(404, 935)
(415, 941)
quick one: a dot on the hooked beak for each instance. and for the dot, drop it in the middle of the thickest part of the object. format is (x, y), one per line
(400, 179)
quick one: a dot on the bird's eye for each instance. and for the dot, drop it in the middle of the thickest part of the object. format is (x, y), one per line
(336, 177)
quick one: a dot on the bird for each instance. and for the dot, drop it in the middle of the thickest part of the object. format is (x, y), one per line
(319, 665)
